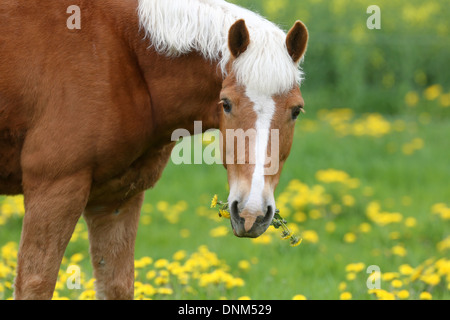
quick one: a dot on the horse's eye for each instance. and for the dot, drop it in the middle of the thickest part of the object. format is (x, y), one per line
(296, 112)
(226, 105)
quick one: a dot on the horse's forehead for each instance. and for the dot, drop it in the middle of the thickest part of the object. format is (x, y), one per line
(268, 70)
(260, 98)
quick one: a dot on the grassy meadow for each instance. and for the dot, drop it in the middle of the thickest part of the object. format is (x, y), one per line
(366, 184)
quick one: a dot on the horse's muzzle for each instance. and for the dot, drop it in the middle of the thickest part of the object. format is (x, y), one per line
(250, 224)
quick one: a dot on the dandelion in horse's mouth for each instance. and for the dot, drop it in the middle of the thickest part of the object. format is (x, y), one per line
(295, 241)
(224, 214)
(277, 221)
(222, 206)
(214, 201)
(285, 235)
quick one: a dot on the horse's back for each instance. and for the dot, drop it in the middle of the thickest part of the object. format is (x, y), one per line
(36, 51)
(14, 62)
(69, 98)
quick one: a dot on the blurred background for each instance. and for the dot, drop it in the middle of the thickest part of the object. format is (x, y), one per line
(348, 65)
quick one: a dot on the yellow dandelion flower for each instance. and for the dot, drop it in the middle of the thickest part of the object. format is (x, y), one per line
(77, 257)
(310, 236)
(345, 296)
(162, 206)
(183, 278)
(445, 100)
(295, 241)
(87, 295)
(224, 214)
(444, 244)
(286, 234)
(146, 260)
(437, 207)
(389, 276)
(220, 231)
(397, 283)
(90, 284)
(151, 274)
(433, 92)
(403, 294)
(365, 227)
(417, 272)
(386, 296)
(355, 267)
(431, 279)
(348, 200)
(164, 291)
(138, 264)
(145, 289)
(9, 251)
(300, 216)
(382, 294)
(161, 263)
(425, 296)
(398, 251)
(406, 269)
(244, 265)
(410, 222)
(179, 255)
(161, 281)
(349, 237)
(332, 175)
(214, 201)
(350, 276)
(234, 282)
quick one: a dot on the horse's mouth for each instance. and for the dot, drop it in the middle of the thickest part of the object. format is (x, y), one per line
(259, 223)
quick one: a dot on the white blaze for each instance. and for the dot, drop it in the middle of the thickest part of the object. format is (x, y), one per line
(264, 107)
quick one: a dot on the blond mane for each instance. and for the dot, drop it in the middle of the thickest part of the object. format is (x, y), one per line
(177, 27)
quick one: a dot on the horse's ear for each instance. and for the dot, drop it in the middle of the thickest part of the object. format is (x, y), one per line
(238, 38)
(296, 41)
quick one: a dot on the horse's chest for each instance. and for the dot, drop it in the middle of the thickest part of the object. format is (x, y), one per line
(141, 175)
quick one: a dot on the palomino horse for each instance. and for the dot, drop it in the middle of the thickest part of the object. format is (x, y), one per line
(86, 116)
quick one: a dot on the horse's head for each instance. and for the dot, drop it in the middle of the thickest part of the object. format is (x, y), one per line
(261, 101)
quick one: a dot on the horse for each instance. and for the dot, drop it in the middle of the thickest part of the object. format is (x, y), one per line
(87, 112)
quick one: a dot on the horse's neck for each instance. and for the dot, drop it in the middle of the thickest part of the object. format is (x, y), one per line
(182, 90)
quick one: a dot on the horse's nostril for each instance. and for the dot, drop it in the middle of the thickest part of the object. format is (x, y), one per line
(269, 215)
(236, 221)
(234, 209)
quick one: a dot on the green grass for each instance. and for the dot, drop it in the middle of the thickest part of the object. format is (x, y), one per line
(315, 270)
(346, 66)
(311, 269)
